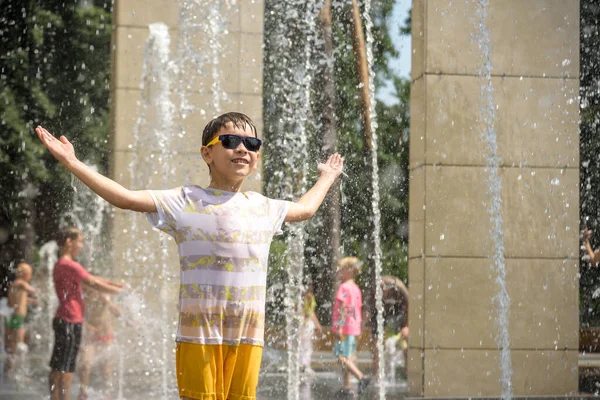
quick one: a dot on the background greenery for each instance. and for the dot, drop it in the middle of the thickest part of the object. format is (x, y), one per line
(54, 70)
(590, 154)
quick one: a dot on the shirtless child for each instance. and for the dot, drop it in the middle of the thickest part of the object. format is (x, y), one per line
(14, 340)
(98, 336)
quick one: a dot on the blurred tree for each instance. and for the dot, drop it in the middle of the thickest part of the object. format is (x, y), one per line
(54, 71)
(590, 152)
(325, 102)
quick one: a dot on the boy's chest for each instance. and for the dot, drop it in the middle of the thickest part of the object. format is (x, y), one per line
(232, 216)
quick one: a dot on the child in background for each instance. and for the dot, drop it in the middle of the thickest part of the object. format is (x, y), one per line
(593, 255)
(98, 337)
(14, 337)
(395, 315)
(69, 277)
(308, 330)
(223, 237)
(347, 320)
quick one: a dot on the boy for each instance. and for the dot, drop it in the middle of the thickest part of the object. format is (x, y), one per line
(223, 236)
(18, 292)
(69, 276)
(346, 323)
(98, 339)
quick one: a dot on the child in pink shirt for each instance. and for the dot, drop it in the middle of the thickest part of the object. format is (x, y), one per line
(347, 320)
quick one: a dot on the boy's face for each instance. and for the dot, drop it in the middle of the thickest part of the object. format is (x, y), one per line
(231, 164)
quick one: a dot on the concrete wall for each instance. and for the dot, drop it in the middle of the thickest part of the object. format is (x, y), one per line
(535, 61)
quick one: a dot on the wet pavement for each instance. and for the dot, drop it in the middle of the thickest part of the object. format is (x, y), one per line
(324, 385)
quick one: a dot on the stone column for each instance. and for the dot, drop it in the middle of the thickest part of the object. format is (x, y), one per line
(534, 57)
(137, 252)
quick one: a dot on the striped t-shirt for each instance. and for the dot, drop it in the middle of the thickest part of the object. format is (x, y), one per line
(223, 240)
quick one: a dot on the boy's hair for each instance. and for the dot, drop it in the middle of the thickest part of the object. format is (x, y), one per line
(350, 263)
(69, 232)
(237, 119)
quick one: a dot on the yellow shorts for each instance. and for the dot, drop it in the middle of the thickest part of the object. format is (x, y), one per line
(218, 372)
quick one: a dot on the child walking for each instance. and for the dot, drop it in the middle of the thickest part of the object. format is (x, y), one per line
(347, 320)
(310, 323)
(69, 277)
(223, 237)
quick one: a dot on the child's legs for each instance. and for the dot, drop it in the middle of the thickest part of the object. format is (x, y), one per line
(197, 371)
(67, 337)
(346, 378)
(306, 345)
(346, 353)
(306, 351)
(350, 367)
(222, 372)
(20, 361)
(104, 353)
(85, 365)
(242, 379)
(60, 385)
(107, 372)
(10, 345)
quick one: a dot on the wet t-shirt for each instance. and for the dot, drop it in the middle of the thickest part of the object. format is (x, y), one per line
(223, 240)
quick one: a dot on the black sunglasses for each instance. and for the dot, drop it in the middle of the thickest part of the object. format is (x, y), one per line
(232, 142)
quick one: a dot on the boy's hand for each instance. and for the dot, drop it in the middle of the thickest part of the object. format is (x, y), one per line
(61, 149)
(333, 166)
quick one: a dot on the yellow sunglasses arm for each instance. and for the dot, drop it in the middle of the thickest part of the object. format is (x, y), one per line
(214, 141)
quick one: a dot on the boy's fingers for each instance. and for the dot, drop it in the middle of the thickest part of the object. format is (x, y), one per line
(39, 132)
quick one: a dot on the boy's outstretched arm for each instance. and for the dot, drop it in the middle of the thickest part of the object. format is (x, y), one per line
(109, 190)
(310, 202)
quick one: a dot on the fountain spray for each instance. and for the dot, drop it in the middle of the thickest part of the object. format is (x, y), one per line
(489, 134)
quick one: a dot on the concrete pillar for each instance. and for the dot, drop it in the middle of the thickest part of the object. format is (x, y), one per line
(137, 252)
(452, 316)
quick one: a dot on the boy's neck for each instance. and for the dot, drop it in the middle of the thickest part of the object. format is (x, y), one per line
(68, 256)
(226, 186)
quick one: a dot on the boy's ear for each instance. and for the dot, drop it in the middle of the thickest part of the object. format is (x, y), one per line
(206, 154)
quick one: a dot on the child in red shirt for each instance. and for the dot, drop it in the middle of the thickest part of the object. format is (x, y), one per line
(347, 320)
(69, 276)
